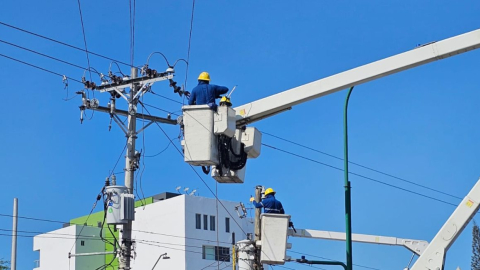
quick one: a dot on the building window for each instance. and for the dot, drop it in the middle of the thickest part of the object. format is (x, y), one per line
(205, 222)
(216, 253)
(227, 224)
(82, 243)
(212, 223)
(198, 221)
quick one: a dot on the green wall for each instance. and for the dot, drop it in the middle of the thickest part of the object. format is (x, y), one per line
(97, 217)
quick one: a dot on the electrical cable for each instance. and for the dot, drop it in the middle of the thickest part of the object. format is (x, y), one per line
(362, 166)
(84, 40)
(111, 172)
(178, 236)
(189, 44)
(119, 69)
(198, 175)
(163, 150)
(44, 69)
(151, 106)
(357, 164)
(301, 253)
(36, 232)
(86, 221)
(62, 43)
(164, 57)
(143, 152)
(359, 175)
(165, 97)
(36, 219)
(48, 56)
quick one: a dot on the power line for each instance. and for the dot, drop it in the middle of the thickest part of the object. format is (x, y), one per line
(160, 109)
(362, 166)
(362, 176)
(176, 101)
(302, 253)
(118, 159)
(359, 175)
(357, 164)
(63, 43)
(44, 69)
(84, 38)
(189, 44)
(45, 55)
(36, 219)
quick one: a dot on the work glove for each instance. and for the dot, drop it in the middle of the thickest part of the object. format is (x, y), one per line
(252, 199)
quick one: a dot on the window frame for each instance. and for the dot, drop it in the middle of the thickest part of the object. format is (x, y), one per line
(198, 221)
(212, 223)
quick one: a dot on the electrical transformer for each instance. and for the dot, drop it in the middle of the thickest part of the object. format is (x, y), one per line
(120, 205)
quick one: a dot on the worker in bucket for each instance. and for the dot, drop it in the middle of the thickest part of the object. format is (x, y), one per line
(269, 204)
(206, 93)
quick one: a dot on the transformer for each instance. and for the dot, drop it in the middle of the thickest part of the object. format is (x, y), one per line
(120, 205)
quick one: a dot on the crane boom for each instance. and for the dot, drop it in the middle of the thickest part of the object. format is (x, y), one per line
(283, 101)
(416, 246)
(433, 258)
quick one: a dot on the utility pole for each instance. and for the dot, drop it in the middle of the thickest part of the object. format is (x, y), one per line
(130, 159)
(117, 86)
(13, 261)
(258, 237)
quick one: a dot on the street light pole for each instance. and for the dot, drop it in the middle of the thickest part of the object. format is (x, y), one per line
(348, 195)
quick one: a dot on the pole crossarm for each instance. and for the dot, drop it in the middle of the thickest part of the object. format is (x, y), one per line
(416, 246)
(139, 115)
(421, 55)
(128, 83)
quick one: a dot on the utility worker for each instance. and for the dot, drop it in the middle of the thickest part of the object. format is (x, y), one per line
(206, 93)
(269, 204)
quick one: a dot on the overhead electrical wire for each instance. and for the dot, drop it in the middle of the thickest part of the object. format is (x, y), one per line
(63, 43)
(44, 69)
(112, 171)
(362, 166)
(189, 46)
(362, 176)
(354, 163)
(302, 253)
(359, 175)
(48, 56)
(84, 38)
(36, 219)
(88, 217)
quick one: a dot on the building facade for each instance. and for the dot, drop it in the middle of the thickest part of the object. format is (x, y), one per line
(195, 232)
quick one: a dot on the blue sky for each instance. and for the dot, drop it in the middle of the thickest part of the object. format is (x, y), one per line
(419, 125)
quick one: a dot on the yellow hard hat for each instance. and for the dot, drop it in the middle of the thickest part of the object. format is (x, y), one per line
(204, 76)
(269, 191)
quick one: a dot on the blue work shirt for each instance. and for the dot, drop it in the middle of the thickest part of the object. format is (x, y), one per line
(270, 205)
(205, 93)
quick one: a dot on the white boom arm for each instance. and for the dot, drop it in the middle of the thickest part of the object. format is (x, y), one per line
(433, 257)
(280, 102)
(416, 246)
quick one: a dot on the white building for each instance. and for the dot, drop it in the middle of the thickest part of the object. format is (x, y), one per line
(55, 246)
(195, 232)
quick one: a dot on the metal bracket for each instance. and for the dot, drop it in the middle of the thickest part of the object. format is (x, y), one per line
(143, 128)
(120, 123)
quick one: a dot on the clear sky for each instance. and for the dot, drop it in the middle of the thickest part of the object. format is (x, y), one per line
(420, 125)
